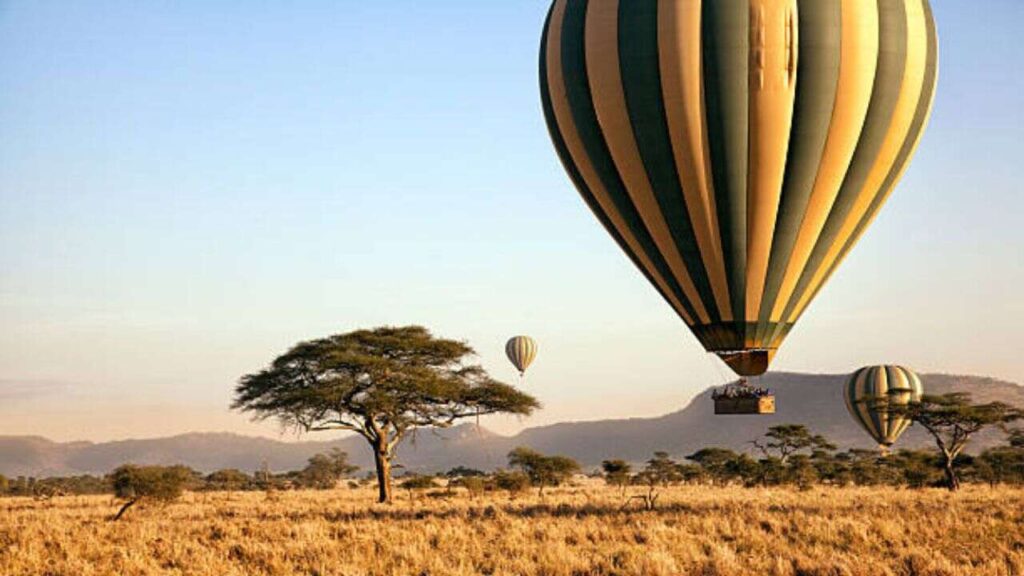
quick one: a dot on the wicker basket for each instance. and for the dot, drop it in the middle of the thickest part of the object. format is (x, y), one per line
(762, 405)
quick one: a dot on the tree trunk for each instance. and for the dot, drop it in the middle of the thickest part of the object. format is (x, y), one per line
(952, 482)
(124, 509)
(383, 463)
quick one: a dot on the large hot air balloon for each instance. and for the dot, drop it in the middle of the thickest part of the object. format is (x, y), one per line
(737, 149)
(871, 390)
(521, 350)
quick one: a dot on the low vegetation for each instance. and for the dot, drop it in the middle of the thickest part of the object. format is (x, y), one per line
(579, 529)
(793, 504)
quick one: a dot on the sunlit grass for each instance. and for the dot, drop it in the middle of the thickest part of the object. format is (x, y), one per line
(571, 532)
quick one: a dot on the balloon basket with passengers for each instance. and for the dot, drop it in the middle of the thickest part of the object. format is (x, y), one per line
(742, 398)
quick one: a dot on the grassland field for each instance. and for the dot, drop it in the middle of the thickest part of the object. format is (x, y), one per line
(571, 531)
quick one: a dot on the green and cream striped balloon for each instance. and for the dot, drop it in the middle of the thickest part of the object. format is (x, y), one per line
(897, 385)
(736, 150)
(521, 351)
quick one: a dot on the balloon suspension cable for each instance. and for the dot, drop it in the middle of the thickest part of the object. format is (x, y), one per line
(722, 378)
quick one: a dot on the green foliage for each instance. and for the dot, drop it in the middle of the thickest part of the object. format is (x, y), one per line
(417, 482)
(785, 440)
(542, 470)
(163, 483)
(952, 420)
(1003, 464)
(475, 485)
(1015, 438)
(511, 482)
(379, 383)
(616, 472)
(464, 472)
(717, 463)
(325, 470)
(228, 480)
(917, 468)
(691, 473)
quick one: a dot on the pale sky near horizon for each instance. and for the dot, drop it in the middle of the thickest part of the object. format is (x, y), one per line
(188, 188)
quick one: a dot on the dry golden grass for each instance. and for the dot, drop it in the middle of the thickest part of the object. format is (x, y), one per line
(573, 531)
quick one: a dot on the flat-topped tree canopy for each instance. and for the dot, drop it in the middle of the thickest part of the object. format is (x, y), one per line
(380, 383)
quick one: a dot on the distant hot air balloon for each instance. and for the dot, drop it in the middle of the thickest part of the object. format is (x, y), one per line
(521, 350)
(736, 150)
(894, 386)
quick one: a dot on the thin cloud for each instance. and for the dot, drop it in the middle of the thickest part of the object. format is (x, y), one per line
(29, 389)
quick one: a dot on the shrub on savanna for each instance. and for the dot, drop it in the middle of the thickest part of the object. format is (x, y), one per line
(464, 472)
(323, 471)
(416, 483)
(229, 480)
(159, 483)
(543, 471)
(617, 473)
(514, 483)
(475, 485)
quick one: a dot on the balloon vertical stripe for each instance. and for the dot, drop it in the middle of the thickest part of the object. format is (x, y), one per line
(521, 351)
(866, 387)
(726, 54)
(737, 149)
(818, 70)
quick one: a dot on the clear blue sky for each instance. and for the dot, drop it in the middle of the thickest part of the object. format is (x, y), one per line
(187, 188)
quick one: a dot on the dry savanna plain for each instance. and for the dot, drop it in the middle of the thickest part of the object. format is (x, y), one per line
(571, 531)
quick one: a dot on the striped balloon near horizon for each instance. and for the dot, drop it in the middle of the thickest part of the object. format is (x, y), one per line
(897, 384)
(521, 350)
(736, 150)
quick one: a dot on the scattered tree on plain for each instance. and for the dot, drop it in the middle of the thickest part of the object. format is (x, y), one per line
(379, 383)
(325, 470)
(785, 440)
(513, 482)
(617, 473)
(228, 480)
(952, 420)
(542, 470)
(159, 483)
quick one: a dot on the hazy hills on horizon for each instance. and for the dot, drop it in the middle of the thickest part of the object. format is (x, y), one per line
(811, 399)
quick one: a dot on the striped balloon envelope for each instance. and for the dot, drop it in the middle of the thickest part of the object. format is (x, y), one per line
(736, 150)
(870, 390)
(521, 351)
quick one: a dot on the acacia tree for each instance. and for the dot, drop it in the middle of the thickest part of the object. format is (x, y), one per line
(660, 471)
(951, 420)
(785, 440)
(542, 470)
(381, 384)
(159, 483)
(617, 473)
(324, 470)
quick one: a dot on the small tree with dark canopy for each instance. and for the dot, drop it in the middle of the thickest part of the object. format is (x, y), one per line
(716, 462)
(784, 440)
(542, 470)
(160, 483)
(951, 420)
(617, 473)
(228, 480)
(324, 470)
(659, 471)
(380, 384)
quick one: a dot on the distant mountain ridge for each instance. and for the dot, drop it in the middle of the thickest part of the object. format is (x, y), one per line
(811, 399)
